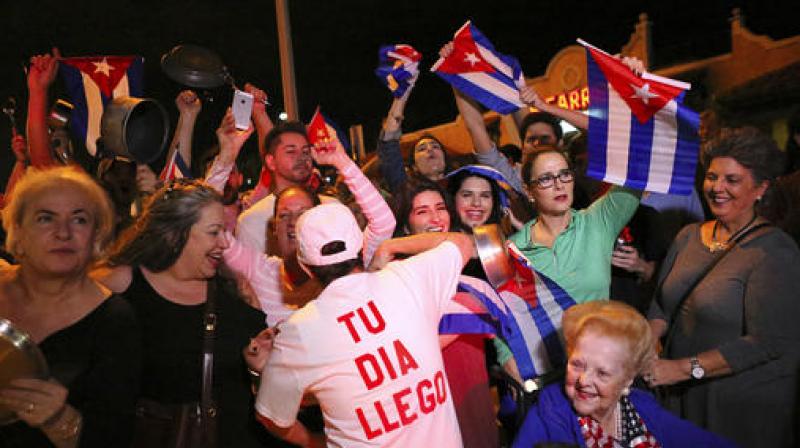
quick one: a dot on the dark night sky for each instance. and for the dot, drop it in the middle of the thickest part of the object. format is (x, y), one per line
(336, 43)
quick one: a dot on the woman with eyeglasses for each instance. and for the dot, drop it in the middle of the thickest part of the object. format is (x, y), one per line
(571, 247)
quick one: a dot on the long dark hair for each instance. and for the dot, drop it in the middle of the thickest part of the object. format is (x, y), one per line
(159, 234)
(454, 184)
(403, 201)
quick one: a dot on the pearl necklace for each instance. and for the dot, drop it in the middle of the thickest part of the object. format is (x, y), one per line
(717, 246)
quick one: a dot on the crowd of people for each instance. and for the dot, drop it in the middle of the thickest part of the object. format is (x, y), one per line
(189, 313)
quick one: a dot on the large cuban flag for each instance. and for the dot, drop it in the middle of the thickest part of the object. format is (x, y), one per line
(480, 72)
(323, 132)
(398, 65)
(91, 83)
(640, 134)
(526, 312)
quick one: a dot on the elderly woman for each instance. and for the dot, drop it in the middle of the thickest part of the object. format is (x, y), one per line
(608, 344)
(728, 307)
(58, 222)
(193, 321)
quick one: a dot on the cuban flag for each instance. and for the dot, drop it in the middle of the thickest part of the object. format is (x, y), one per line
(92, 82)
(323, 132)
(176, 168)
(398, 66)
(477, 70)
(526, 312)
(640, 134)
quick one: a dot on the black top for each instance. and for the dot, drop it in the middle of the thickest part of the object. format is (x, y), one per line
(98, 360)
(173, 338)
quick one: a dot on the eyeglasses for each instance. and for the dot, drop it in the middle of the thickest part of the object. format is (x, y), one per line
(547, 180)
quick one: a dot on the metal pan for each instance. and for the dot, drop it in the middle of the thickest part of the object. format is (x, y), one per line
(195, 66)
(490, 242)
(19, 358)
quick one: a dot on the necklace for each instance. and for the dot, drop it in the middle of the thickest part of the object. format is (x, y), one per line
(717, 246)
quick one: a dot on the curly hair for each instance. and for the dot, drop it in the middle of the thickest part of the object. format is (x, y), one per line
(159, 234)
(615, 320)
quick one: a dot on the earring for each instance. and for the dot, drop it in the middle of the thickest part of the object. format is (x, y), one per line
(626, 391)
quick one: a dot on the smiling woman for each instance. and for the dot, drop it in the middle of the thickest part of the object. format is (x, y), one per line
(727, 304)
(165, 265)
(608, 344)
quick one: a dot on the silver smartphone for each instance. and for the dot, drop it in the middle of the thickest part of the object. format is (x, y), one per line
(242, 108)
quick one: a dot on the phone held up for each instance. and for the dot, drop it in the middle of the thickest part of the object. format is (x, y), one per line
(242, 108)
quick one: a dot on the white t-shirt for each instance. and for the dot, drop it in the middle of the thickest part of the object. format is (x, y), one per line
(368, 350)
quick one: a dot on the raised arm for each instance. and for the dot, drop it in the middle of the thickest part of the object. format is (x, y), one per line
(42, 73)
(20, 148)
(380, 219)
(531, 98)
(230, 141)
(390, 158)
(259, 115)
(189, 107)
(415, 244)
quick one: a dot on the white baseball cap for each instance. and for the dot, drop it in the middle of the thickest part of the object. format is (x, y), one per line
(324, 224)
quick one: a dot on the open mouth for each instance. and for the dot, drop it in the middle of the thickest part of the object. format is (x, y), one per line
(561, 197)
(434, 229)
(475, 215)
(215, 259)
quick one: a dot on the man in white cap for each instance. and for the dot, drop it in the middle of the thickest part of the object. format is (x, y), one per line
(367, 348)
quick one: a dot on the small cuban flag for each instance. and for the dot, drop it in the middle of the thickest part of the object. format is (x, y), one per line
(640, 134)
(476, 69)
(323, 132)
(176, 168)
(526, 312)
(398, 65)
(92, 82)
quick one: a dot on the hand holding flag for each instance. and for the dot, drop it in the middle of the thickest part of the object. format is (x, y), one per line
(640, 134)
(473, 66)
(325, 136)
(398, 67)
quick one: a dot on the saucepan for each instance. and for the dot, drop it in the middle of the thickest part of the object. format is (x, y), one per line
(490, 243)
(20, 357)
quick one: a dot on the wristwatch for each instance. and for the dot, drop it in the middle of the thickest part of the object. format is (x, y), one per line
(697, 371)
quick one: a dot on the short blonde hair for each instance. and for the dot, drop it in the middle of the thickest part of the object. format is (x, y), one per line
(614, 320)
(36, 181)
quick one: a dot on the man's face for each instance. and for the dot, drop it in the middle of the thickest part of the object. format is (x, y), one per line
(538, 134)
(291, 160)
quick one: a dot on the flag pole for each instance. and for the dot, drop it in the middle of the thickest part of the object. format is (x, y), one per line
(287, 59)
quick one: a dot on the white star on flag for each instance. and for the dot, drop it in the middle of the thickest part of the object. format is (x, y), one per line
(643, 93)
(103, 67)
(472, 58)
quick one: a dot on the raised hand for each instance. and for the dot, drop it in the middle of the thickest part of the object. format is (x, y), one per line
(259, 100)
(231, 139)
(446, 49)
(188, 103)
(43, 70)
(529, 96)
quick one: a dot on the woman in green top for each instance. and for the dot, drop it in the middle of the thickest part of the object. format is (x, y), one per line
(571, 247)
